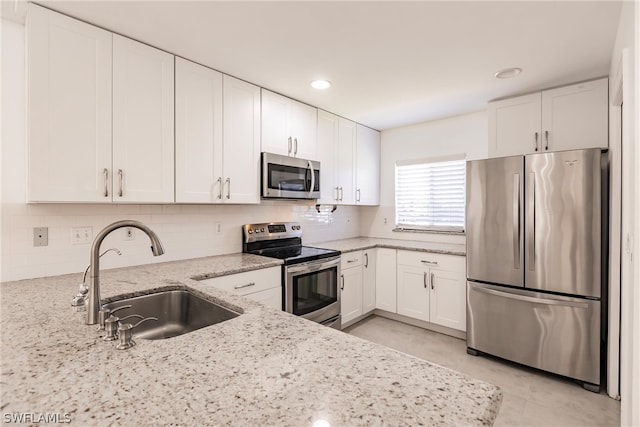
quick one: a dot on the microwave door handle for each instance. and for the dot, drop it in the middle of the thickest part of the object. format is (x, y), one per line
(313, 177)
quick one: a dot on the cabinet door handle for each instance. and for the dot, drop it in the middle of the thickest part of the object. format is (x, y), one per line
(295, 146)
(228, 181)
(432, 278)
(341, 193)
(219, 187)
(342, 286)
(536, 141)
(290, 145)
(105, 172)
(366, 260)
(424, 280)
(244, 286)
(546, 140)
(358, 195)
(424, 261)
(120, 178)
(337, 198)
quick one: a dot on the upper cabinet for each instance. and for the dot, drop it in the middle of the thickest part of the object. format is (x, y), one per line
(566, 118)
(288, 126)
(217, 137)
(143, 120)
(367, 166)
(69, 109)
(78, 151)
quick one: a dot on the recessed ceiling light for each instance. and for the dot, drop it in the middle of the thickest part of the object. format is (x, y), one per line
(507, 73)
(321, 84)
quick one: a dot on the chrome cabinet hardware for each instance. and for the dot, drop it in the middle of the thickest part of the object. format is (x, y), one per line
(337, 198)
(289, 150)
(219, 187)
(358, 195)
(125, 333)
(352, 260)
(432, 280)
(424, 261)
(516, 221)
(424, 280)
(546, 140)
(228, 182)
(105, 172)
(536, 141)
(244, 286)
(121, 190)
(366, 260)
(295, 146)
(342, 285)
(341, 193)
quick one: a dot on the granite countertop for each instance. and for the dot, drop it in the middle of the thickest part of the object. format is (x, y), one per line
(264, 367)
(360, 243)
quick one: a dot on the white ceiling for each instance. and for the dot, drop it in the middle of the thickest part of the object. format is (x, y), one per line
(391, 63)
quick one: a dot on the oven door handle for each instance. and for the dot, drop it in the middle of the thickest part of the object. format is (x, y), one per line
(311, 266)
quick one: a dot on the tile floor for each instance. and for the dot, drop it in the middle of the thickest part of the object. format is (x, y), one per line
(530, 397)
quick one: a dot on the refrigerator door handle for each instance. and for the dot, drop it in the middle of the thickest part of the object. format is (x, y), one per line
(531, 228)
(532, 299)
(516, 221)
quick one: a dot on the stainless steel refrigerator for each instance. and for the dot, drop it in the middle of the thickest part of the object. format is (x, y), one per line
(536, 229)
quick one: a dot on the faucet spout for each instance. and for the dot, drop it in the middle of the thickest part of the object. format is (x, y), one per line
(94, 301)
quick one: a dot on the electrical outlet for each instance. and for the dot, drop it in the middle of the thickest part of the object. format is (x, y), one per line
(218, 226)
(129, 234)
(41, 236)
(81, 235)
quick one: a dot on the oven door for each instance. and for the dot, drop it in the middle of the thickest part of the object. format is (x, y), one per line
(289, 177)
(311, 289)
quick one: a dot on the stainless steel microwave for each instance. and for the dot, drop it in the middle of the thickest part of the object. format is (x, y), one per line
(286, 177)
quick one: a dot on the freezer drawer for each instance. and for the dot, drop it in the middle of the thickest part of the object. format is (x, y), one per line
(553, 333)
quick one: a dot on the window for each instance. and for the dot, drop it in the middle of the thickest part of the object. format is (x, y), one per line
(430, 194)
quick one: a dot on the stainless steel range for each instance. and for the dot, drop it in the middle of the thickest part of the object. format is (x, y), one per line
(309, 275)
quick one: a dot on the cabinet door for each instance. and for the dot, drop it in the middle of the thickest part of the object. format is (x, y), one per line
(576, 116)
(369, 281)
(367, 166)
(327, 143)
(351, 294)
(69, 109)
(241, 152)
(143, 107)
(276, 135)
(304, 126)
(198, 133)
(386, 279)
(447, 299)
(345, 161)
(514, 126)
(413, 292)
(271, 297)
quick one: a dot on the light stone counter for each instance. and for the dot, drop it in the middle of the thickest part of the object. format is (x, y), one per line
(360, 243)
(265, 367)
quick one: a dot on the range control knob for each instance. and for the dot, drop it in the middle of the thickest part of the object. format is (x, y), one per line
(262, 230)
(250, 231)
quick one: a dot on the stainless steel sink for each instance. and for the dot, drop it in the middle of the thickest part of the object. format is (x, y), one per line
(178, 312)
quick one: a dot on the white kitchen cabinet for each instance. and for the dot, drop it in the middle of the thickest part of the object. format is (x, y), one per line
(567, 118)
(198, 133)
(143, 123)
(217, 137)
(386, 279)
(69, 109)
(262, 285)
(288, 127)
(367, 166)
(336, 153)
(369, 280)
(431, 288)
(351, 286)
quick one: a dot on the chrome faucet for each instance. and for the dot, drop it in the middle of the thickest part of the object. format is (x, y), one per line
(94, 267)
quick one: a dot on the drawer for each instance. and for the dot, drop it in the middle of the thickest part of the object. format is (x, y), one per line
(248, 282)
(431, 260)
(351, 259)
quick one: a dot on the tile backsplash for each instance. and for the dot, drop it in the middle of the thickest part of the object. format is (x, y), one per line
(186, 231)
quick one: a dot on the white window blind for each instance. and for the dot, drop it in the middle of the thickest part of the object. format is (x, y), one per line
(430, 195)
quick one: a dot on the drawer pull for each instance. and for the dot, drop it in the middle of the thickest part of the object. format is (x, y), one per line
(352, 260)
(244, 286)
(429, 262)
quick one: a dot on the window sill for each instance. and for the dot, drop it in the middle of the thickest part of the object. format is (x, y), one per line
(417, 230)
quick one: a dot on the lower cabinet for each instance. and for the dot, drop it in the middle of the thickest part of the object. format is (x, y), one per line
(351, 286)
(369, 280)
(263, 286)
(431, 287)
(386, 279)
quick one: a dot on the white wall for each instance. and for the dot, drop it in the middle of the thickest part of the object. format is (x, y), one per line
(466, 134)
(187, 231)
